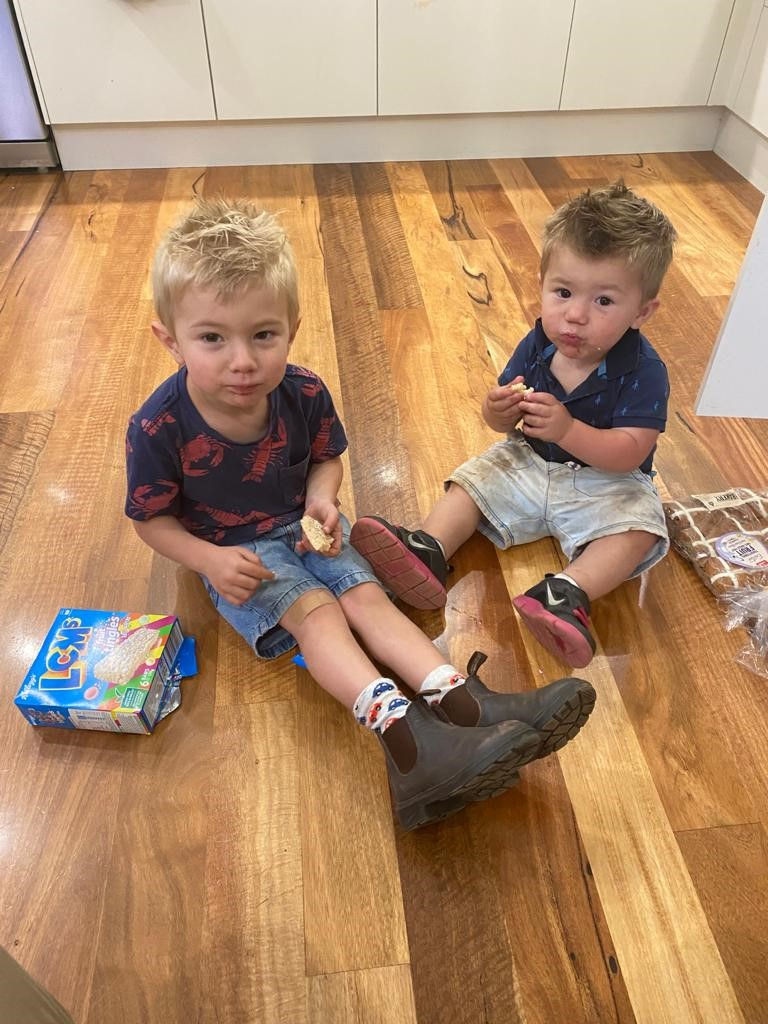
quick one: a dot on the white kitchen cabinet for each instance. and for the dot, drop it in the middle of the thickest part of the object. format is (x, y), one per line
(454, 57)
(119, 60)
(659, 53)
(751, 102)
(292, 58)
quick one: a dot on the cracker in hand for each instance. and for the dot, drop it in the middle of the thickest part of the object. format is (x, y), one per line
(520, 386)
(314, 533)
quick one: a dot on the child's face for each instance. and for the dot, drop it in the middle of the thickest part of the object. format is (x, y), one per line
(587, 305)
(235, 350)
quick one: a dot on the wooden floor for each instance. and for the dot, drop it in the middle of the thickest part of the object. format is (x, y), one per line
(241, 865)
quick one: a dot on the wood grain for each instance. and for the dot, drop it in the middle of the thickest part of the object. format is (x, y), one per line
(242, 864)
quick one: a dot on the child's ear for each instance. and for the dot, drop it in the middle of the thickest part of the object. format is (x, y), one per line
(164, 336)
(645, 312)
(295, 331)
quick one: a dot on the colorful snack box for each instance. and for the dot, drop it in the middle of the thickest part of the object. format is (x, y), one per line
(102, 670)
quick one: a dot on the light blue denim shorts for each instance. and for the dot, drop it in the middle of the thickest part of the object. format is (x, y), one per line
(522, 498)
(257, 620)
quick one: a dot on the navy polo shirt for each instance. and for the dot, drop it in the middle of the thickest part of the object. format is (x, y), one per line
(629, 388)
(218, 489)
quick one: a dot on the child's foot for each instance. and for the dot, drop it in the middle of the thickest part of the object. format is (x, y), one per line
(409, 563)
(556, 711)
(436, 768)
(557, 613)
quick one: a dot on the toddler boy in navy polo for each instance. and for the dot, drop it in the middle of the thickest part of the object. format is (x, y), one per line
(581, 403)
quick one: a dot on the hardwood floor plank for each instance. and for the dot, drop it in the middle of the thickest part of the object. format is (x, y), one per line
(371, 416)
(388, 256)
(381, 996)
(502, 319)
(452, 199)
(730, 866)
(22, 439)
(23, 200)
(728, 178)
(515, 249)
(531, 206)
(253, 930)
(700, 779)
(353, 905)
(457, 361)
(650, 903)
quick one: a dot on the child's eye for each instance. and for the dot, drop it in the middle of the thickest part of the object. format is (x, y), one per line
(604, 301)
(263, 335)
(563, 293)
(211, 336)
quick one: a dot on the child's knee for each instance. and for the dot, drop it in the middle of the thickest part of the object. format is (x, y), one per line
(310, 601)
(359, 602)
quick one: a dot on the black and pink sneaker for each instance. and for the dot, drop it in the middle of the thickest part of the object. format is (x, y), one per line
(410, 563)
(557, 613)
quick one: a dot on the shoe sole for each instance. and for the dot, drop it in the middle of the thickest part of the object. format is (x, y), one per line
(399, 569)
(568, 720)
(501, 774)
(442, 809)
(559, 638)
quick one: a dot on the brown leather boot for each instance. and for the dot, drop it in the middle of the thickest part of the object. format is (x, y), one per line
(556, 711)
(436, 768)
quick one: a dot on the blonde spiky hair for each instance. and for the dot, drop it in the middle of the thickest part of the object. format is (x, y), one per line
(614, 222)
(226, 244)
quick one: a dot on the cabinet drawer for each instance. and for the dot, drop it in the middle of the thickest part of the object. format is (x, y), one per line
(114, 60)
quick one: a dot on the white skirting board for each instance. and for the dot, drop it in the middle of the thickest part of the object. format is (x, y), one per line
(355, 140)
(745, 149)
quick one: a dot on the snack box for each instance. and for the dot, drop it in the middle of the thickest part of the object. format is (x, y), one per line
(102, 670)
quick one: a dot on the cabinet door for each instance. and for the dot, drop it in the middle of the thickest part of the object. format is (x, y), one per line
(662, 53)
(120, 60)
(752, 98)
(293, 58)
(450, 56)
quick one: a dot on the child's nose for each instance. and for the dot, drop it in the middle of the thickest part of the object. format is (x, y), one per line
(242, 356)
(577, 310)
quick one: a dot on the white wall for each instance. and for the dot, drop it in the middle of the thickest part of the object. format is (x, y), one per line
(736, 380)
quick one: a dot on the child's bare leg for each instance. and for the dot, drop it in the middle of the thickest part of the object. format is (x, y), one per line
(609, 561)
(453, 519)
(390, 636)
(334, 657)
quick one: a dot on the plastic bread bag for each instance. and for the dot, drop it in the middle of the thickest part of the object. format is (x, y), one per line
(748, 607)
(724, 536)
(747, 604)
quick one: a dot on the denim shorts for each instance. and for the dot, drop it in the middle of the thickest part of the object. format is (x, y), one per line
(295, 574)
(522, 498)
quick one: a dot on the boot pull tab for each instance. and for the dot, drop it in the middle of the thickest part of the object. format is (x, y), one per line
(475, 662)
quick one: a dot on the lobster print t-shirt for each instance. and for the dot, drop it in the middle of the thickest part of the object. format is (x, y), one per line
(220, 490)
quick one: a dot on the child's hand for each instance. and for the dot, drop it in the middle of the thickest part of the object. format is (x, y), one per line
(502, 406)
(327, 514)
(544, 417)
(236, 573)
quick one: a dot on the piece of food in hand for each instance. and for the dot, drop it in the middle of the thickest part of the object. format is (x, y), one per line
(313, 531)
(519, 386)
